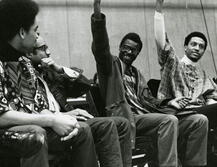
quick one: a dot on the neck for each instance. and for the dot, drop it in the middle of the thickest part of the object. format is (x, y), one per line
(16, 43)
(186, 60)
(10, 51)
(125, 67)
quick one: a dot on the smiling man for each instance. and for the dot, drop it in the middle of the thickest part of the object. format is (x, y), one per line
(125, 93)
(184, 77)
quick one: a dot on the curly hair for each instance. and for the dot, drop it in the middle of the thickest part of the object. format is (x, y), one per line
(16, 14)
(134, 37)
(195, 34)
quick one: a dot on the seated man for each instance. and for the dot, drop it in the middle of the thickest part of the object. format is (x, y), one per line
(126, 94)
(184, 77)
(60, 81)
(24, 105)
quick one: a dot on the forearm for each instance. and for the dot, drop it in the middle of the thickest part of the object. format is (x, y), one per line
(100, 45)
(70, 72)
(159, 30)
(11, 118)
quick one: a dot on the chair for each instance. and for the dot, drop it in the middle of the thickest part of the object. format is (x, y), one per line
(153, 85)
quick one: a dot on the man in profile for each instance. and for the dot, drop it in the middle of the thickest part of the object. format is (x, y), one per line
(111, 135)
(24, 105)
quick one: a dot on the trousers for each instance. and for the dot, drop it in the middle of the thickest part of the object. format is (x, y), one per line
(81, 147)
(185, 135)
(112, 139)
(111, 136)
(211, 113)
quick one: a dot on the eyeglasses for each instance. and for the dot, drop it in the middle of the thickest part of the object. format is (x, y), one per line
(129, 49)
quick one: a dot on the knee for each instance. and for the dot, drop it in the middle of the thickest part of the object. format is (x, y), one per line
(85, 130)
(32, 142)
(108, 123)
(169, 125)
(122, 124)
(171, 119)
(201, 120)
(38, 135)
(37, 130)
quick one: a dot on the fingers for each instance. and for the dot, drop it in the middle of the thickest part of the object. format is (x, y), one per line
(47, 61)
(183, 98)
(74, 122)
(81, 118)
(180, 102)
(83, 113)
(97, 9)
(77, 125)
(73, 133)
(97, 1)
(183, 102)
(87, 115)
(200, 102)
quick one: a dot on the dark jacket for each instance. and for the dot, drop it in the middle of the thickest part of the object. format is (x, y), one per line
(63, 86)
(110, 78)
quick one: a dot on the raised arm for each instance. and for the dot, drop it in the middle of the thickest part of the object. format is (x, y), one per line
(100, 45)
(159, 26)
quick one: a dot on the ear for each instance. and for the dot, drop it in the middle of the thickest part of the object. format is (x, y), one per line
(185, 47)
(22, 33)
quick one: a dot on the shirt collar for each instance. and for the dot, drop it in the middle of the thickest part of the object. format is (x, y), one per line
(187, 61)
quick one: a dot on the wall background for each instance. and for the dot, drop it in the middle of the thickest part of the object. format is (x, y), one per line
(65, 24)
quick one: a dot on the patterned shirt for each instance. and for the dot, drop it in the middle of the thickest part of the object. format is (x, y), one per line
(180, 78)
(129, 79)
(21, 88)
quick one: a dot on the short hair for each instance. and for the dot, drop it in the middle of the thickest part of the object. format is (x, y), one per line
(195, 34)
(134, 37)
(16, 14)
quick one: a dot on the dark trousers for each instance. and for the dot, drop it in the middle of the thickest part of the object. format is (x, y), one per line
(80, 148)
(112, 140)
(111, 137)
(28, 148)
(211, 112)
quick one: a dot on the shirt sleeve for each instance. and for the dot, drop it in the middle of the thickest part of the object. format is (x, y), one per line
(71, 73)
(4, 107)
(100, 45)
(165, 50)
